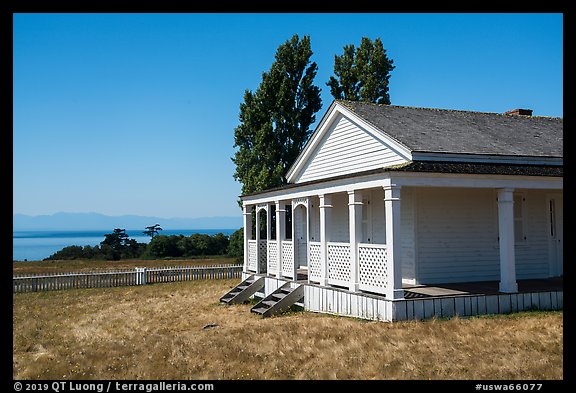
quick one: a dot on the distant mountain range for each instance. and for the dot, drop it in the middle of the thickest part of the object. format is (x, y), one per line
(96, 221)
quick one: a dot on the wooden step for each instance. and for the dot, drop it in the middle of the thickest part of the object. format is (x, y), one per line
(280, 300)
(242, 292)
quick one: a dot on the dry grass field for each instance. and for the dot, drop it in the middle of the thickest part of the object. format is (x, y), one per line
(63, 266)
(180, 331)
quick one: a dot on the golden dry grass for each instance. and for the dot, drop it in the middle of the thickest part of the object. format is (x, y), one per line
(157, 332)
(63, 266)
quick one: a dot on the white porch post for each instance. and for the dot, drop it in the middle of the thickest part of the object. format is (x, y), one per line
(508, 282)
(392, 211)
(308, 236)
(325, 225)
(355, 227)
(247, 233)
(268, 232)
(294, 244)
(280, 232)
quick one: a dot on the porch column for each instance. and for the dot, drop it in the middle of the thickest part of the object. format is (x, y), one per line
(508, 282)
(394, 263)
(355, 221)
(257, 240)
(325, 225)
(308, 236)
(247, 233)
(280, 232)
(268, 232)
(294, 243)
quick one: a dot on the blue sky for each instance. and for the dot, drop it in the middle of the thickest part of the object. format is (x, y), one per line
(135, 113)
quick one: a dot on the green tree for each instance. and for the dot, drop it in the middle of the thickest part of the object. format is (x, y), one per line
(114, 243)
(275, 119)
(202, 243)
(118, 245)
(67, 253)
(152, 230)
(236, 244)
(362, 74)
(164, 246)
(187, 246)
(219, 244)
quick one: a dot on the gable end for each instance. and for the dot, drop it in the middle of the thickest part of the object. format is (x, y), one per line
(344, 145)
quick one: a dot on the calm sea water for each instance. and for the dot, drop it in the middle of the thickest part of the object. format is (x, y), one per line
(37, 245)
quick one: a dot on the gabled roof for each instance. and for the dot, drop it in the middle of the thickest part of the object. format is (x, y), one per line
(464, 132)
(429, 134)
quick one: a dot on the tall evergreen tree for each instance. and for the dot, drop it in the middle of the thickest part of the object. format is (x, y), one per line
(275, 119)
(362, 74)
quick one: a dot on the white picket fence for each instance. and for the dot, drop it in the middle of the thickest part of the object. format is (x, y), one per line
(117, 278)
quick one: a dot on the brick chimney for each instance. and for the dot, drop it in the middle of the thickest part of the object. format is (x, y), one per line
(516, 112)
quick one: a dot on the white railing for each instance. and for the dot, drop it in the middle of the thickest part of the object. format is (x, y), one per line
(252, 263)
(272, 257)
(287, 259)
(314, 261)
(372, 267)
(117, 278)
(338, 263)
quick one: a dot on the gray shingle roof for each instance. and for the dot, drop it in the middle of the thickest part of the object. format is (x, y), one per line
(440, 167)
(454, 131)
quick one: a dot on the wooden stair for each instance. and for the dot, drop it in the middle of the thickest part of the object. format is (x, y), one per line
(242, 292)
(279, 301)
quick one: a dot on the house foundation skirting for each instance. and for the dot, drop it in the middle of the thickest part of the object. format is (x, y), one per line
(342, 302)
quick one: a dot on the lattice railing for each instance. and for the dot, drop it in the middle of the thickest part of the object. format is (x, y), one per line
(252, 255)
(287, 259)
(263, 250)
(272, 257)
(372, 267)
(338, 263)
(314, 261)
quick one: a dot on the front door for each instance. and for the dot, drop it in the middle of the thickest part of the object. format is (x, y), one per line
(555, 213)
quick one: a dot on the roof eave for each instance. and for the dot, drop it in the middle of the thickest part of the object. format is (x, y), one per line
(470, 168)
(469, 157)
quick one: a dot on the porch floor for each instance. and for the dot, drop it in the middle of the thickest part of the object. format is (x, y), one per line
(468, 288)
(480, 288)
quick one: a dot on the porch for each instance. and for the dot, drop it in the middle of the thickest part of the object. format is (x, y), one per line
(329, 237)
(387, 239)
(425, 301)
(412, 291)
(552, 284)
(371, 273)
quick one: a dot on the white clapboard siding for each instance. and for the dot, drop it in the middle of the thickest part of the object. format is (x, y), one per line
(346, 149)
(456, 235)
(407, 234)
(378, 216)
(532, 253)
(340, 230)
(314, 219)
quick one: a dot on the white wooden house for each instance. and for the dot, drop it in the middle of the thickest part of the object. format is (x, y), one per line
(386, 201)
